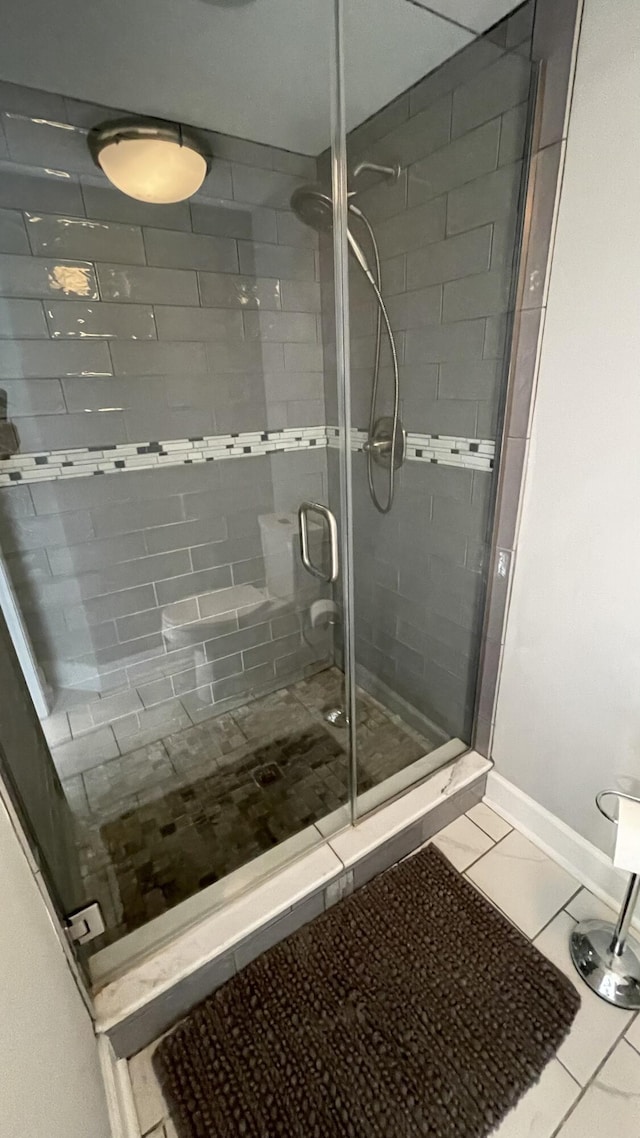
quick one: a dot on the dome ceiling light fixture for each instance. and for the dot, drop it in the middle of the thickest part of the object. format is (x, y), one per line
(151, 160)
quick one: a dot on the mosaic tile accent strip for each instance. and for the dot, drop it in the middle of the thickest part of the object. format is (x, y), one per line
(47, 466)
(445, 450)
(78, 463)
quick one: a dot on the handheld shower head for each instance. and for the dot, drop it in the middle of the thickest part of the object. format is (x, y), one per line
(355, 247)
(314, 207)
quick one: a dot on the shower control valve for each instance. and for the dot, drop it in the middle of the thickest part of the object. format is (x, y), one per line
(379, 445)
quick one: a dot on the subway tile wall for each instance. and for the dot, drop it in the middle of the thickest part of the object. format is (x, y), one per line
(96, 561)
(121, 322)
(447, 235)
(125, 322)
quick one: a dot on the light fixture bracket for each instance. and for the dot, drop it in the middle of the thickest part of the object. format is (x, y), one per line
(151, 159)
(119, 130)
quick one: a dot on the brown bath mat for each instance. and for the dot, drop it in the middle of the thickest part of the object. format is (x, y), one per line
(411, 1008)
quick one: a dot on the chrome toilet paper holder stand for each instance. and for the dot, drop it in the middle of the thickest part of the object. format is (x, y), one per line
(603, 953)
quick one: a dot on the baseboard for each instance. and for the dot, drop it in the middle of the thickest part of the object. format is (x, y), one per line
(121, 1108)
(581, 858)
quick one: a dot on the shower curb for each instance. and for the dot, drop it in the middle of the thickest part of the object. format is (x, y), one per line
(137, 1007)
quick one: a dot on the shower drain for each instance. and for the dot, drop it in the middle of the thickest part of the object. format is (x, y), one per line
(337, 717)
(265, 775)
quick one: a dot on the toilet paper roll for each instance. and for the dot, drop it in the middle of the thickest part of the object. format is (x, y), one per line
(627, 851)
(323, 613)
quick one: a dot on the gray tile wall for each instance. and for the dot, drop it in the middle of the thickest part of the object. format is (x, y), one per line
(95, 561)
(447, 232)
(555, 37)
(121, 321)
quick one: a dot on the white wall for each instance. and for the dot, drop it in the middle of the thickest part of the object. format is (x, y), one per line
(50, 1085)
(568, 716)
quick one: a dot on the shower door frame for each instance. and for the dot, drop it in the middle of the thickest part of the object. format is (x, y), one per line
(339, 182)
(555, 41)
(339, 174)
(554, 48)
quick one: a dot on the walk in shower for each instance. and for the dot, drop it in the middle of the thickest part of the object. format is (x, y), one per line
(249, 436)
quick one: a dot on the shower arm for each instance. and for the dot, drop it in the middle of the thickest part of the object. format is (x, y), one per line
(392, 172)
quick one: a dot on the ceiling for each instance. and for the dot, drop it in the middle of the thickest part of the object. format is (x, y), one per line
(257, 69)
(475, 14)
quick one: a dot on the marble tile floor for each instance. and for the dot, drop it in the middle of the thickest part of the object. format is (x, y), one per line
(592, 1087)
(157, 825)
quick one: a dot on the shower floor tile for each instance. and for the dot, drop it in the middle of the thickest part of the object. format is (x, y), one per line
(193, 836)
(198, 745)
(112, 784)
(172, 817)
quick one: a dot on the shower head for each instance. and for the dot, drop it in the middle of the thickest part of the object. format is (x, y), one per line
(314, 207)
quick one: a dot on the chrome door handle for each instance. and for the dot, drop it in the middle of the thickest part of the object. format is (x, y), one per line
(325, 512)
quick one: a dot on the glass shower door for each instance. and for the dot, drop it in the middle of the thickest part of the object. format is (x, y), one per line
(435, 174)
(164, 368)
(191, 382)
(33, 788)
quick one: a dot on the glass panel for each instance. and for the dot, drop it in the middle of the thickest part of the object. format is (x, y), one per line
(163, 370)
(437, 124)
(179, 387)
(33, 784)
(334, 278)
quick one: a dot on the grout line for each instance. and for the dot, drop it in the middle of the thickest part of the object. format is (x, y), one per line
(565, 1068)
(480, 856)
(480, 827)
(531, 939)
(622, 1036)
(557, 914)
(495, 905)
(496, 842)
(634, 1019)
(588, 1085)
(572, 898)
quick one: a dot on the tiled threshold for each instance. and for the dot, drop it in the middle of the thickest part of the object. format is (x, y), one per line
(135, 1007)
